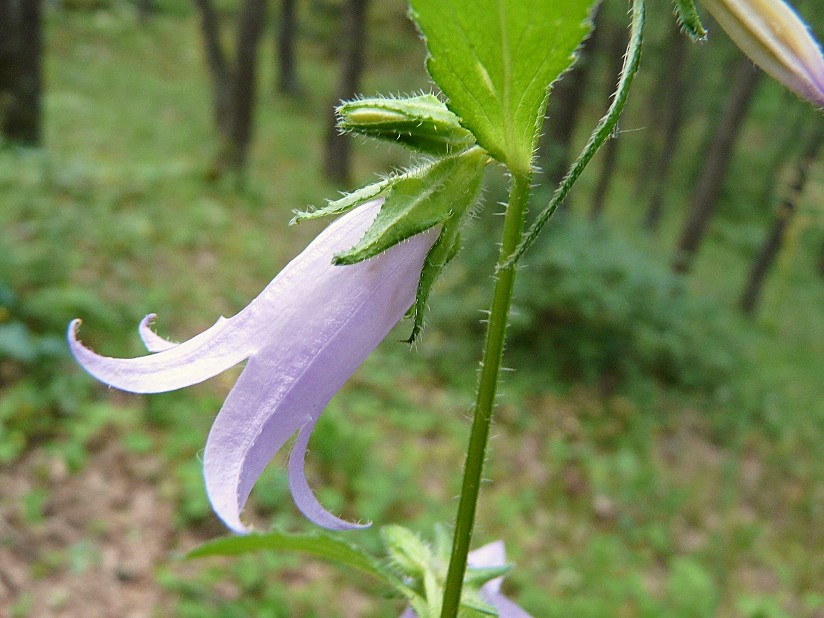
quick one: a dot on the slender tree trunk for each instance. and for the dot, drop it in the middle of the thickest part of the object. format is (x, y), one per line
(145, 8)
(285, 41)
(8, 57)
(337, 161)
(20, 70)
(716, 162)
(657, 120)
(243, 83)
(672, 118)
(615, 49)
(772, 246)
(565, 105)
(217, 63)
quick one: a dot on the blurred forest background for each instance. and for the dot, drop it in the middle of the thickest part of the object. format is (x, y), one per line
(659, 446)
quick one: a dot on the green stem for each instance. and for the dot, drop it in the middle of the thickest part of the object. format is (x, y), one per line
(487, 386)
(606, 128)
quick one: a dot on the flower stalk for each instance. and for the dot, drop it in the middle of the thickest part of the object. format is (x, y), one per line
(487, 388)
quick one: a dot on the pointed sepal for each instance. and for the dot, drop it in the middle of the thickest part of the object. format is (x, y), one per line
(419, 200)
(689, 20)
(346, 203)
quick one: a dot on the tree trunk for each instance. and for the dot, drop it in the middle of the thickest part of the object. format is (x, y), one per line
(565, 104)
(8, 57)
(20, 70)
(672, 118)
(145, 8)
(243, 84)
(615, 49)
(716, 162)
(337, 161)
(217, 64)
(783, 217)
(657, 121)
(286, 36)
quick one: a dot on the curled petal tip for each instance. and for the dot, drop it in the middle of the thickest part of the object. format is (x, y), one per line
(153, 341)
(304, 496)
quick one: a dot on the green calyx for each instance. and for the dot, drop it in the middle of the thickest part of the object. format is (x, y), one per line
(439, 193)
(422, 123)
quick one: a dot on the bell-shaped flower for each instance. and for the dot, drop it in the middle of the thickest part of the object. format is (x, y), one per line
(774, 36)
(303, 336)
(490, 555)
(494, 555)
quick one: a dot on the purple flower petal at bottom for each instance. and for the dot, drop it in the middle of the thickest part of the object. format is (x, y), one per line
(312, 347)
(304, 335)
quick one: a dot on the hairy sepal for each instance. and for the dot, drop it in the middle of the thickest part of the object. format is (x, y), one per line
(422, 123)
(689, 20)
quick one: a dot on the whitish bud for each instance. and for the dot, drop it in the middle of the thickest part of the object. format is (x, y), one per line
(774, 36)
(423, 123)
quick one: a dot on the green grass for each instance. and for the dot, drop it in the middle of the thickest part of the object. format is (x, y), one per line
(653, 502)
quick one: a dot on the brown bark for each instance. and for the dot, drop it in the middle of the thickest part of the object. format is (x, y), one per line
(657, 121)
(145, 8)
(615, 49)
(286, 37)
(217, 63)
(337, 160)
(21, 52)
(672, 117)
(783, 216)
(243, 84)
(716, 161)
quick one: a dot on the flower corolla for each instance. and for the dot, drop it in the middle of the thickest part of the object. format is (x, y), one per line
(772, 34)
(490, 555)
(303, 336)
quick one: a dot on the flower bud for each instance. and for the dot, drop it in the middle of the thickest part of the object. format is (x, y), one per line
(422, 123)
(774, 36)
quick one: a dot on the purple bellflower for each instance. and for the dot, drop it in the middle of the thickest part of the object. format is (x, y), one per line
(490, 555)
(772, 34)
(303, 336)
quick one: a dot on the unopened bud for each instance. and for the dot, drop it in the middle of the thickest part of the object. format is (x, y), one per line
(775, 37)
(423, 123)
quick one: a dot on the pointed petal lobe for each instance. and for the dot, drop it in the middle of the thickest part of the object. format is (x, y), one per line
(323, 334)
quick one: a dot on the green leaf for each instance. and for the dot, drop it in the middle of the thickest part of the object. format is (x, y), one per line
(320, 545)
(422, 123)
(603, 130)
(495, 59)
(17, 343)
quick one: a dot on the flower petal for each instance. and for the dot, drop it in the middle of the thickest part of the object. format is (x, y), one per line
(490, 555)
(199, 358)
(328, 329)
(505, 607)
(153, 341)
(774, 36)
(302, 493)
(231, 340)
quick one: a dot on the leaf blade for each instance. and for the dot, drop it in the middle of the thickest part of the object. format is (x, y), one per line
(496, 62)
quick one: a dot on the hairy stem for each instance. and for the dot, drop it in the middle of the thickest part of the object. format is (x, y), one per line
(487, 386)
(606, 127)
